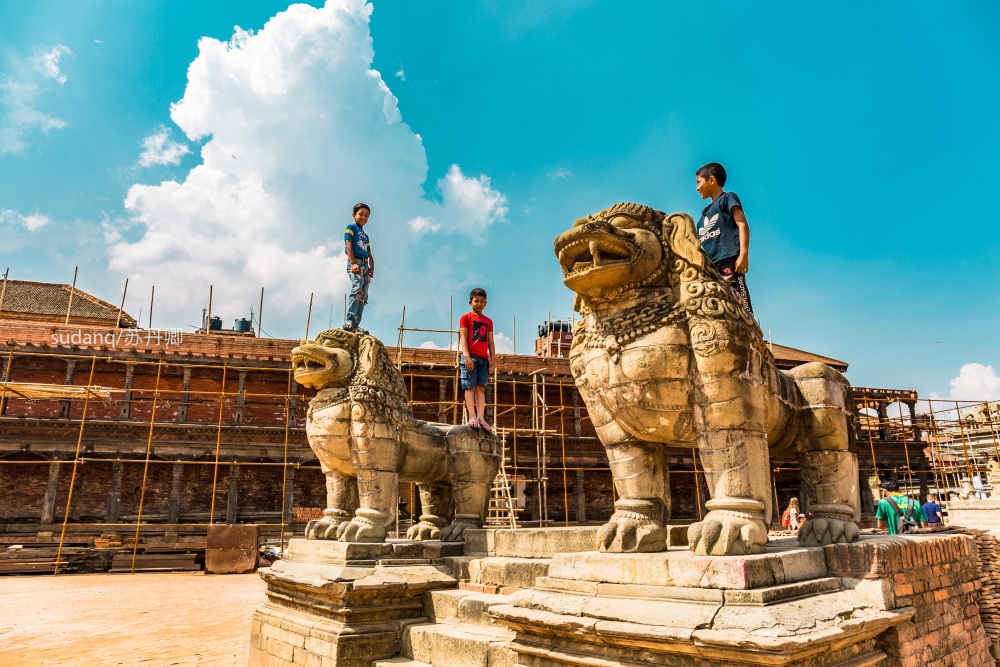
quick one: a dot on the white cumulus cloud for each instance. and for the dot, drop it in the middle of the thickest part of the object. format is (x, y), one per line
(560, 174)
(31, 222)
(503, 344)
(299, 128)
(19, 93)
(159, 148)
(47, 62)
(468, 206)
(421, 224)
(975, 382)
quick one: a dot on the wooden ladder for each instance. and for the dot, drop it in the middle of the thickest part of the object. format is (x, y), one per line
(502, 513)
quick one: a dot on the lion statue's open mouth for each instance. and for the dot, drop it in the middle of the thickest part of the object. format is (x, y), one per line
(605, 252)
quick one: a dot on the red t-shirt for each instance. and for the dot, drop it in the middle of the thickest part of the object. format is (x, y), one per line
(479, 328)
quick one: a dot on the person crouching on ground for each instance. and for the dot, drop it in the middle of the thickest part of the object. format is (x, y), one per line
(360, 267)
(723, 229)
(475, 334)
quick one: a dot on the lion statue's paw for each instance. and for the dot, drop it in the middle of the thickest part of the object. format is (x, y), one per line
(455, 532)
(820, 531)
(630, 534)
(424, 530)
(727, 535)
(323, 529)
(360, 530)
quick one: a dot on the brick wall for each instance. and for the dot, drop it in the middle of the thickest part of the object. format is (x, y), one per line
(938, 577)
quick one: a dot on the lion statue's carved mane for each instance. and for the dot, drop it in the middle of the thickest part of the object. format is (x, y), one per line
(367, 440)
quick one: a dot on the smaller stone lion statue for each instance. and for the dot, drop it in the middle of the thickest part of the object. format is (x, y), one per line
(367, 441)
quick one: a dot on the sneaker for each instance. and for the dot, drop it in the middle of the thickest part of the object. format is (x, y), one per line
(348, 327)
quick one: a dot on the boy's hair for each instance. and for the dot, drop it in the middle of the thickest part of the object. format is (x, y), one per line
(479, 291)
(713, 169)
(890, 485)
(361, 205)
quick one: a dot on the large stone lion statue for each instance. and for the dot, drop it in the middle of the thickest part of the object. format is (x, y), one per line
(665, 354)
(367, 441)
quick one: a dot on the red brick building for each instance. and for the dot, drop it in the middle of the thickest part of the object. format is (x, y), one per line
(206, 428)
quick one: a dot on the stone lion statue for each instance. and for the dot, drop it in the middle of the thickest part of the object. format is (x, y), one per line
(367, 441)
(665, 354)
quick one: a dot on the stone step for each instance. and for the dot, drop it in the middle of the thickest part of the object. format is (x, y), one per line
(498, 573)
(459, 645)
(461, 606)
(400, 662)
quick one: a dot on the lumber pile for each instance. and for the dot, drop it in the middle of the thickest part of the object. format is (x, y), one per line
(109, 541)
(161, 558)
(40, 558)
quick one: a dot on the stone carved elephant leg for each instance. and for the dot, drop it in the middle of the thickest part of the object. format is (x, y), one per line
(435, 512)
(642, 482)
(829, 470)
(731, 422)
(375, 457)
(473, 464)
(341, 502)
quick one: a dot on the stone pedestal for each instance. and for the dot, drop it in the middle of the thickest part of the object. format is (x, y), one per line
(782, 607)
(981, 514)
(338, 604)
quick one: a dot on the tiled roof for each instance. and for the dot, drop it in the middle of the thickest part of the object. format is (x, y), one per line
(783, 353)
(32, 298)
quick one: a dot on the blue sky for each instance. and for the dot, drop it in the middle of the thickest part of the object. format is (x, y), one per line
(152, 141)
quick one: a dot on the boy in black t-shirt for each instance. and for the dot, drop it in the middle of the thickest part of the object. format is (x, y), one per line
(723, 229)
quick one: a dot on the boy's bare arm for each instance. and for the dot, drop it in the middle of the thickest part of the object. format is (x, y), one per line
(743, 261)
(350, 257)
(463, 345)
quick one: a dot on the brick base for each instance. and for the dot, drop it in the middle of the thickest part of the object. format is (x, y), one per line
(937, 576)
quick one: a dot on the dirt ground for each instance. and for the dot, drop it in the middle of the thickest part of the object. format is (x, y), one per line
(152, 619)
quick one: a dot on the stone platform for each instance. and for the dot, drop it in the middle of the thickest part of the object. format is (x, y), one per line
(781, 607)
(345, 604)
(888, 601)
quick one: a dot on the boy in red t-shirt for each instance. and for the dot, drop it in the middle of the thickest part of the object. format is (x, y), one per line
(476, 339)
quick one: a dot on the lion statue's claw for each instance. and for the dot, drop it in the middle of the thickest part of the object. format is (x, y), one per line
(727, 535)
(455, 532)
(821, 531)
(423, 531)
(360, 531)
(323, 529)
(631, 535)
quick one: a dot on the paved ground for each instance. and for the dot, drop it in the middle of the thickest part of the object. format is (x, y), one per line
(148, 619)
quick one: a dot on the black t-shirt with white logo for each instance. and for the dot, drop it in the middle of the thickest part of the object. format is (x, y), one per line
(717, 231)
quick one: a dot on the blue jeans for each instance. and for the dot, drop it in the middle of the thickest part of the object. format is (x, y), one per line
(479, 375)
(359, 294)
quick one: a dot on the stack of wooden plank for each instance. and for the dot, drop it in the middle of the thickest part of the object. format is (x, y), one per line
(160, 558)
(41, 558)
(109, 541)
